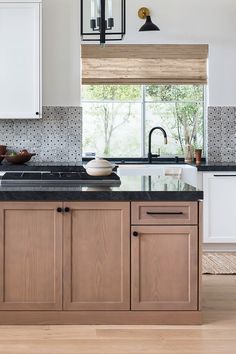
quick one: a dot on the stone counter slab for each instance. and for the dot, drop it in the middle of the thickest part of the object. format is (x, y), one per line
(138, 188)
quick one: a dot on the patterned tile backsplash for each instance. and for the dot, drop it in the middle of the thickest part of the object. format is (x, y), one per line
(56, 137)
(221, 144)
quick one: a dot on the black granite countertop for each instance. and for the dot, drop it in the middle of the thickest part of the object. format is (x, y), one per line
(69, 167)
(131, 189)
(216, 166)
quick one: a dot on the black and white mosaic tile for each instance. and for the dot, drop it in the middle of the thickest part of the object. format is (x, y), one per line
(221, 133)
(54, 138)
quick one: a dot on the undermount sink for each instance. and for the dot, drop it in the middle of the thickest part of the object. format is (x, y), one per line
(186, 173)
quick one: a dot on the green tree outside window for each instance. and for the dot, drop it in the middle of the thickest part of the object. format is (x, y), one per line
(117, 118)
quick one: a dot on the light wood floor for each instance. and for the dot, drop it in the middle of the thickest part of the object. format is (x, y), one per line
(216, 336)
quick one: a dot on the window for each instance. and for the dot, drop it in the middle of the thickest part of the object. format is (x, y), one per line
(118, 118)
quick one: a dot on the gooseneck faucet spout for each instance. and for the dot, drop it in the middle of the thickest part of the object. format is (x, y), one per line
(150, 155)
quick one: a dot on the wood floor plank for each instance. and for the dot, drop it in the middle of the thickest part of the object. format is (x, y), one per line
(47, 333)
(168, 334)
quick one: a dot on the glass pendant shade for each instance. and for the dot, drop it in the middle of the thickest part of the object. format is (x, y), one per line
(103, 20)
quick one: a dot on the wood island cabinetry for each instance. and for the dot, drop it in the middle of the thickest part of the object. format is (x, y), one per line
(164, 268)
(97, 256)
(164, 256)
(99, 263)
(30, 256)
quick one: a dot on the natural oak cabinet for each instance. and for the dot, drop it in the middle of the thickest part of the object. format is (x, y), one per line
(30, 256)
(96, 263)
(164, 268)
(97, 256)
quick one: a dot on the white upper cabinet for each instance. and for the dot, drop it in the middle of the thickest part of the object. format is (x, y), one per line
(20, 59)
(219, 207)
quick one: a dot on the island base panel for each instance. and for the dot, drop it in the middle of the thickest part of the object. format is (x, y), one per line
(101, 318)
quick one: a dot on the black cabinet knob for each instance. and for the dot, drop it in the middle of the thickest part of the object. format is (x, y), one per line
(135, 234)
(59, 210)
(37, 113)
(67, 210)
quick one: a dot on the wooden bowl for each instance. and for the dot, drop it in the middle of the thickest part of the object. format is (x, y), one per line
(3, 150)
(18, 159)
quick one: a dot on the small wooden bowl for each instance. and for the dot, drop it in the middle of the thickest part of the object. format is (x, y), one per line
(3, 151)
(18, 159)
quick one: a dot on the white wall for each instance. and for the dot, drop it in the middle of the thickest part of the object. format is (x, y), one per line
(182, 21)
(61, 53)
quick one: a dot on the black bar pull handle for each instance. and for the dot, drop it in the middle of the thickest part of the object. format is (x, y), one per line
(165, 213)
(224, 175)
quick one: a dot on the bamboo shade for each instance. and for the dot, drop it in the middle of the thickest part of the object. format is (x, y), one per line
(144, 64)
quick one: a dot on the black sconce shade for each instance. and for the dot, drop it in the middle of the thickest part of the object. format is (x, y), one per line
(149, 25)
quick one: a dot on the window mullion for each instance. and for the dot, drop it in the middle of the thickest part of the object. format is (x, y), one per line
(143, 121)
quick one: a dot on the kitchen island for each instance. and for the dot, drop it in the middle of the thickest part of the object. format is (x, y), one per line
(127, 254)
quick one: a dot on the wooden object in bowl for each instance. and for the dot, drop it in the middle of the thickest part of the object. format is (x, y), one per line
(18, 159)
(3, 150)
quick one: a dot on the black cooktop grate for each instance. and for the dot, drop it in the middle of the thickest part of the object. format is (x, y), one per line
(60, 178)
(56, 176)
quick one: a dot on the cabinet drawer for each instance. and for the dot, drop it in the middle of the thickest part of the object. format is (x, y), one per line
(164, 213)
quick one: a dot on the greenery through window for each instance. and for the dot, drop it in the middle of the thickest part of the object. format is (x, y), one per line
(118, 118)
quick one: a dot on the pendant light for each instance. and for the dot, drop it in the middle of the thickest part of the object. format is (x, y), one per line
(103, 20)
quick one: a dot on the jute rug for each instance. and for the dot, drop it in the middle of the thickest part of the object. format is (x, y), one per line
(219, 263)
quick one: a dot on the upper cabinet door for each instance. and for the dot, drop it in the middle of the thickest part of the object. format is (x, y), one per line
(20, 60)
(97, 256)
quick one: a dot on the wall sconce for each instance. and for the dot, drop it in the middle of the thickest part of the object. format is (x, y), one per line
(144, 13)
(103, 20)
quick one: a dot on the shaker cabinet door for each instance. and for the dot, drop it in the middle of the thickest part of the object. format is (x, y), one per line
(219, 207)
(30, 256)
(97, 256)
(20, 60)
(164, 268)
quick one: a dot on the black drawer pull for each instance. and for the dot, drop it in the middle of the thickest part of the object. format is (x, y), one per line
(165, 213)
(224, 175)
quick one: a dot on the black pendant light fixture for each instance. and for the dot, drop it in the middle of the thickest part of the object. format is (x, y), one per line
(103, 20)
(144, 13)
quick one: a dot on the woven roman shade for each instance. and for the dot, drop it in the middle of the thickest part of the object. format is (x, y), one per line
(144, 64)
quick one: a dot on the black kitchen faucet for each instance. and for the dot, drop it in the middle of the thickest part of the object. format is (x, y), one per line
(150, 155)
